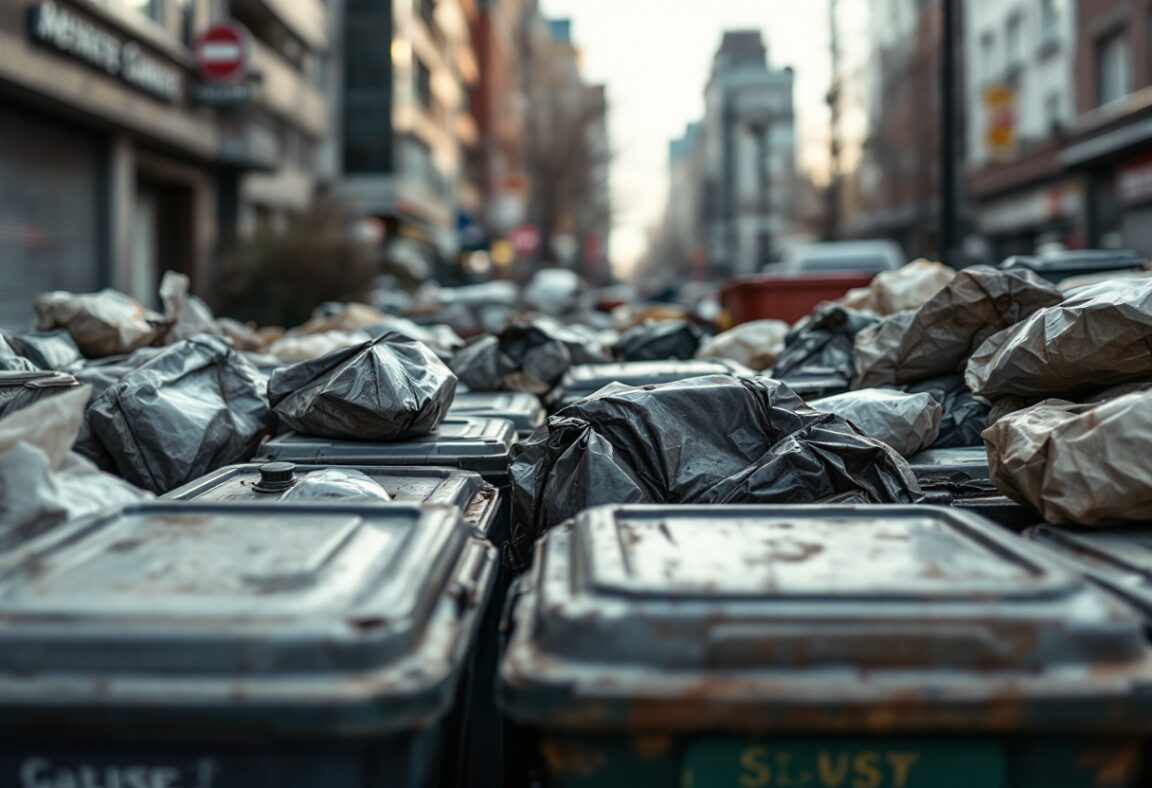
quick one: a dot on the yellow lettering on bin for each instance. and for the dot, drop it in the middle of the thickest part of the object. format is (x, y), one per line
(832, 776)
(758, 775)
(901, 763)
(866, 767)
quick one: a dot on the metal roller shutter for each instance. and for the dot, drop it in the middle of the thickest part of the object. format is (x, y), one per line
(49, 217)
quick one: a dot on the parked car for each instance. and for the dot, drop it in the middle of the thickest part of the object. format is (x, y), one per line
(840, 257)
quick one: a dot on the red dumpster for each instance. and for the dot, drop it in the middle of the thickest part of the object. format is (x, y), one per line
(783, 297)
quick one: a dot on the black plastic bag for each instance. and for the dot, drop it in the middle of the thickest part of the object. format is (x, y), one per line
(196, 406)
(909, 423)
(388, 388)
(715, 439)
(825, 340)
(676, 339)
(965, 415)
(10, 360)
(18, 390)
(528, 357)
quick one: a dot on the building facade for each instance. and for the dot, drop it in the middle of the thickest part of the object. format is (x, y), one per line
(1021, 100)
(112, 167)
(1109, 143)
(406, 126)
(749, 154)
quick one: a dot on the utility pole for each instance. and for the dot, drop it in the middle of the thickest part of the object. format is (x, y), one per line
(949, 222)
(832, 193)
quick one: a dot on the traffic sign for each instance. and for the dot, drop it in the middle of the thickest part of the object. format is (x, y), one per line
(525, 239)
(222, 53)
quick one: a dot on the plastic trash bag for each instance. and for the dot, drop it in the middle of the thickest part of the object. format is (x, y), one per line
(1096, 339)
(10, 360)
(194, 407)
(102, 324)
(241, 335)
(944, 332)
(908, 287)
(53, 350)
(41, 482)
(352, 316)
(292, 348)
(756, 345)
(909, 423)
(388, 388)
(18, 390)
(715, 439)
(667, 339)
(824, 339)
(1077, 464)
(336, 484)
(188, 315)
(964, 417)
(528, 357)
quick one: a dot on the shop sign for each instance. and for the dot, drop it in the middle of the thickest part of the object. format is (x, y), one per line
(1000, 122)
(66, 31)
(1134, 183)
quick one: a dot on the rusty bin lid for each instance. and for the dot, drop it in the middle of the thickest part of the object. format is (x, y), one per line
(1117, 559)
(474, 444)
(477, 499)
(585, 379)
(850, 618)
(524, 410)
(308, 619)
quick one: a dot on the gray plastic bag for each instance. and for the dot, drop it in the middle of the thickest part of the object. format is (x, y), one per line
(1096, 339)
(196, 406)
(388, 388)
(940, 336)
(908, 423)
(336, 484)
(1077, 464)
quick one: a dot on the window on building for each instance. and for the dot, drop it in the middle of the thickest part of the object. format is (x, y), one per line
(988, 56)
(1052, 106)
(1112, 67)
(1014, 42)
(1049, 22)
(423, 84)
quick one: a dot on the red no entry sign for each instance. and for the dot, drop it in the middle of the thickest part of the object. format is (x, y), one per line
(222, 53)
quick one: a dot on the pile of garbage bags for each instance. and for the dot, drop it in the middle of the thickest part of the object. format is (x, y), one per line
(529, 357)
(715, 439)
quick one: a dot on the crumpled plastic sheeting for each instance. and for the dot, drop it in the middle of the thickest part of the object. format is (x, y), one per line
(666, 339)
(388, 388)
(48, 350)
(1077, 464)
(908, 287)
(101, 324)
(303, 347)
(944, 332)
(41, 482)
(715, 439)
(10, 360)
(756, 344)
(823, 340)
(336, 484)
(1098, 338)
(195, 407)
(908, 423)
(528, 357)
(188, 314)
(965, 415)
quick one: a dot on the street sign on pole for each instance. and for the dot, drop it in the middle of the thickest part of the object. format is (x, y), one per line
(222, 54)
(525, 240)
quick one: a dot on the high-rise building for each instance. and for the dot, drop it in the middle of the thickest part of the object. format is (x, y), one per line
(749, 155)
(115, 165)
(405, 122)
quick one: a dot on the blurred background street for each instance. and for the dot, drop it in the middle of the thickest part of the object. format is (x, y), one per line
(283, 153)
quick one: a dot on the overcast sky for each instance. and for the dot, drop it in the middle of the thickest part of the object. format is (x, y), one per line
(655, 55)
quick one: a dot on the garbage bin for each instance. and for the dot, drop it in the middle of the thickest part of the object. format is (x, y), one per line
(586, 379)
(783, 297)
(959, 477)
(1058, 266)
(190, 644)
(524, 410)
(816, 385)
(479, 445)
(903, 646)
(266, 482)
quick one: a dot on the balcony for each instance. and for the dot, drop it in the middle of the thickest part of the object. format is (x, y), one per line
(285, 92)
